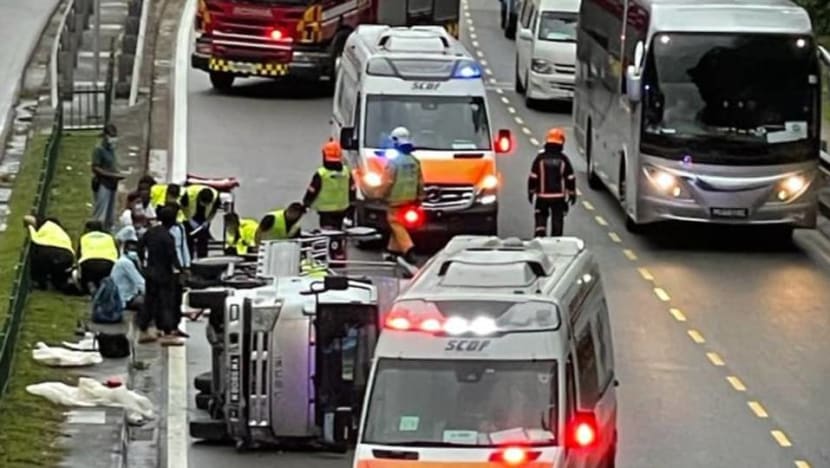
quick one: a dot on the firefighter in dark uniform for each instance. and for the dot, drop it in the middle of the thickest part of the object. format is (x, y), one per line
(199, 204)
(281, 224)
(97, 252)
(553, 185)
(332, 190)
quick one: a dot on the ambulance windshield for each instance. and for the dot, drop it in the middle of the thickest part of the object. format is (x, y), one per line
(440, 123)
(437, 403)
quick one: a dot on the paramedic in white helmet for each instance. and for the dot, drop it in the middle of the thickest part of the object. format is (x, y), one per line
(402, 190)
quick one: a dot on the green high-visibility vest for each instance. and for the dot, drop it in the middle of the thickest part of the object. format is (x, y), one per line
(192, 192)
(279, 230)
(407, 175)
(247, 236)
(334, 191)
(97, 245)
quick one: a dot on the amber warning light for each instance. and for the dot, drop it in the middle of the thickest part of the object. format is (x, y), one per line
(514, 456)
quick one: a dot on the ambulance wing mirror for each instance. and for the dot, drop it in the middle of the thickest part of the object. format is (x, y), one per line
(348, 139)
(337, 426)
(336, 283)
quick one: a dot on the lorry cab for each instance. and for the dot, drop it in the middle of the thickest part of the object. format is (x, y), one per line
(498, 353)
(423, 79)
(546, 50)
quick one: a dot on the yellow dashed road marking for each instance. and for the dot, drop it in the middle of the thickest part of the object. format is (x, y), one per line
(781, 438)
(615, 237)
(601, 221)
(505, 100)
(474, 36)
(499, 90)
(493, 80)
(736, 383)
(662, 294)
(758, 409)
(646, 274)
(534, 141)
(588, 206)
(678, 314)
(475, 43)
(519, 120)
(488, 71)
(512, 110)
(483, 62)
(696, 336)
(715, 359)
(526, 131)
(801, 464)
(630, 254)
(480, 53)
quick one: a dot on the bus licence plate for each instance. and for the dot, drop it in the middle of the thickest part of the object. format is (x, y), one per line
(730, 213)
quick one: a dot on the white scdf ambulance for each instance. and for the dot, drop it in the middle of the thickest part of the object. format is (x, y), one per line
(498, 353)
(425, 80)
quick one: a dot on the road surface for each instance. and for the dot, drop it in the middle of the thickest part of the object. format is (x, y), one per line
(720, 335)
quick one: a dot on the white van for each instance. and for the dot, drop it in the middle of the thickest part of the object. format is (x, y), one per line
(499, 352)
(546, 50)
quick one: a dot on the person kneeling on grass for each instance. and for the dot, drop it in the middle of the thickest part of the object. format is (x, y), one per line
(98, 252)
(52, 255)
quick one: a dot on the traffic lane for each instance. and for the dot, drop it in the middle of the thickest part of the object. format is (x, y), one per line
(675, 410)
(204, 455)
(758, 300)
(20, 26)
(266, 133)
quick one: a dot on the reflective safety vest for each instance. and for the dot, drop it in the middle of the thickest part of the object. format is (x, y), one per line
(405, 186)
(192, 192)
(247, 236)
(313, 268)
(279, 230)
(158, 195)
(98, 245)
(51, 235)
(334, 191)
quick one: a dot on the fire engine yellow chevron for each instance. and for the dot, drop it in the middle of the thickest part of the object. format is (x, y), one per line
(255, 69)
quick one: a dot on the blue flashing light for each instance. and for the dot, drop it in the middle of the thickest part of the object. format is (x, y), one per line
(467, 70)
(389, 153)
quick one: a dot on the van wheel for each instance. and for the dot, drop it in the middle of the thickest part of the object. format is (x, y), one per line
(594, 182)
(222, 82)
(510, 30)
(520, 88)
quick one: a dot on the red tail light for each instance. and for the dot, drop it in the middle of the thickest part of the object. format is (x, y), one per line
(583, 431)
(504, 142)
(398, 323)
(413, 217)
(514, 456)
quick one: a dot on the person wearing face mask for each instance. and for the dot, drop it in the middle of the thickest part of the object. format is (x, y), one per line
(105, 177)
(127, 277)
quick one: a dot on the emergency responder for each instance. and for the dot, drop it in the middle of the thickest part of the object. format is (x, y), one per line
(332, 190)
(199, 204)
(240, 234)
(162, 194)
(97, 252)
(281, 224)
(401, 188)
(52, 255)
(553, 185)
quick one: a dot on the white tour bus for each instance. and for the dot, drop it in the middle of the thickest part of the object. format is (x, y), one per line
(706, 111)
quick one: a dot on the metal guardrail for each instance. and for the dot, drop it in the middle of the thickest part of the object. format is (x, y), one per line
(89, 106)
(22, 282)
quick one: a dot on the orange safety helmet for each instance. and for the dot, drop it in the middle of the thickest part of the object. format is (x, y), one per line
(556, 135)
(332, 152)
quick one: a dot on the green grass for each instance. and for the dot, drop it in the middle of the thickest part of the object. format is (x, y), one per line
(30, 425)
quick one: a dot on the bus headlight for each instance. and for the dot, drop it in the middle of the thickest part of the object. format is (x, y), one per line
(790, 188)
(665, 183)
(541, 66)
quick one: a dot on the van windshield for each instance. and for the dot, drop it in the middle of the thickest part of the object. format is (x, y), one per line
(440, 123)
(468, 403)
(558, 26)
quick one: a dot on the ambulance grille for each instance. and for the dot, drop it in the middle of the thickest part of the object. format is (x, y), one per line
(259, 414)
(437, 197)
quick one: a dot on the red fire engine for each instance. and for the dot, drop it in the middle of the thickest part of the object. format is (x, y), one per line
(300, 38)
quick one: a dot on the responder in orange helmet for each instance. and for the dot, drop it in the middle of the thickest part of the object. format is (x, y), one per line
(332, 190)
(551, 185)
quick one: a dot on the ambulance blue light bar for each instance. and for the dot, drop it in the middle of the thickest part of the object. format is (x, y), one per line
(472, 317)
(467, 69)
(424, 69)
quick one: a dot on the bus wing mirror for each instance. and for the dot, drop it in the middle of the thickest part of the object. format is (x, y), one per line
(634, 84)
(347, 139)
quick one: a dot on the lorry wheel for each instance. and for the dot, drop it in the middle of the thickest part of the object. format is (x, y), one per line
(222, 82)
(212, 431)
(203, 382)
(203, 401)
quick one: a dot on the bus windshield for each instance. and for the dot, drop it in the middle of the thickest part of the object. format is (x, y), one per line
(731, 99)
(440, 123)
(468, 403)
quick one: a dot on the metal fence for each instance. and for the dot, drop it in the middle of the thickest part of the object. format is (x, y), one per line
(22, 282)
(89, 106)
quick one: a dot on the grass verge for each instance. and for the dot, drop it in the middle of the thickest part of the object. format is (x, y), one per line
(30, 426)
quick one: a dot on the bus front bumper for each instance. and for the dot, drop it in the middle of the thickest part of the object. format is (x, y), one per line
(801, 213)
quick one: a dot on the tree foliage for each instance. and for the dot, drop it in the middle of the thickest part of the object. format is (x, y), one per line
(820, 13)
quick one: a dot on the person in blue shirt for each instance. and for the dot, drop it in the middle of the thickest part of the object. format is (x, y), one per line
(127, 277)
(179, 234)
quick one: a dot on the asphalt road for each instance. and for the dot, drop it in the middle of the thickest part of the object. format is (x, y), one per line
(719, 333)
(20, 27)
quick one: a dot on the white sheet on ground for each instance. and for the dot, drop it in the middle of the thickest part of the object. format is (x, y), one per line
(62, 357)
(86, 344)
(90, 392)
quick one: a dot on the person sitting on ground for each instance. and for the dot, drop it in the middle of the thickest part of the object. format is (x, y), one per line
(134, 214)
(52, 254)
(281, 224)
(97, 252)
(240, 234)
(128, 278)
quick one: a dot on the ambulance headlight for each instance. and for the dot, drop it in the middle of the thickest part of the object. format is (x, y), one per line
(372, 179)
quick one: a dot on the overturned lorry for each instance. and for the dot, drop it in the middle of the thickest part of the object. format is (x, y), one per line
(292, 341)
